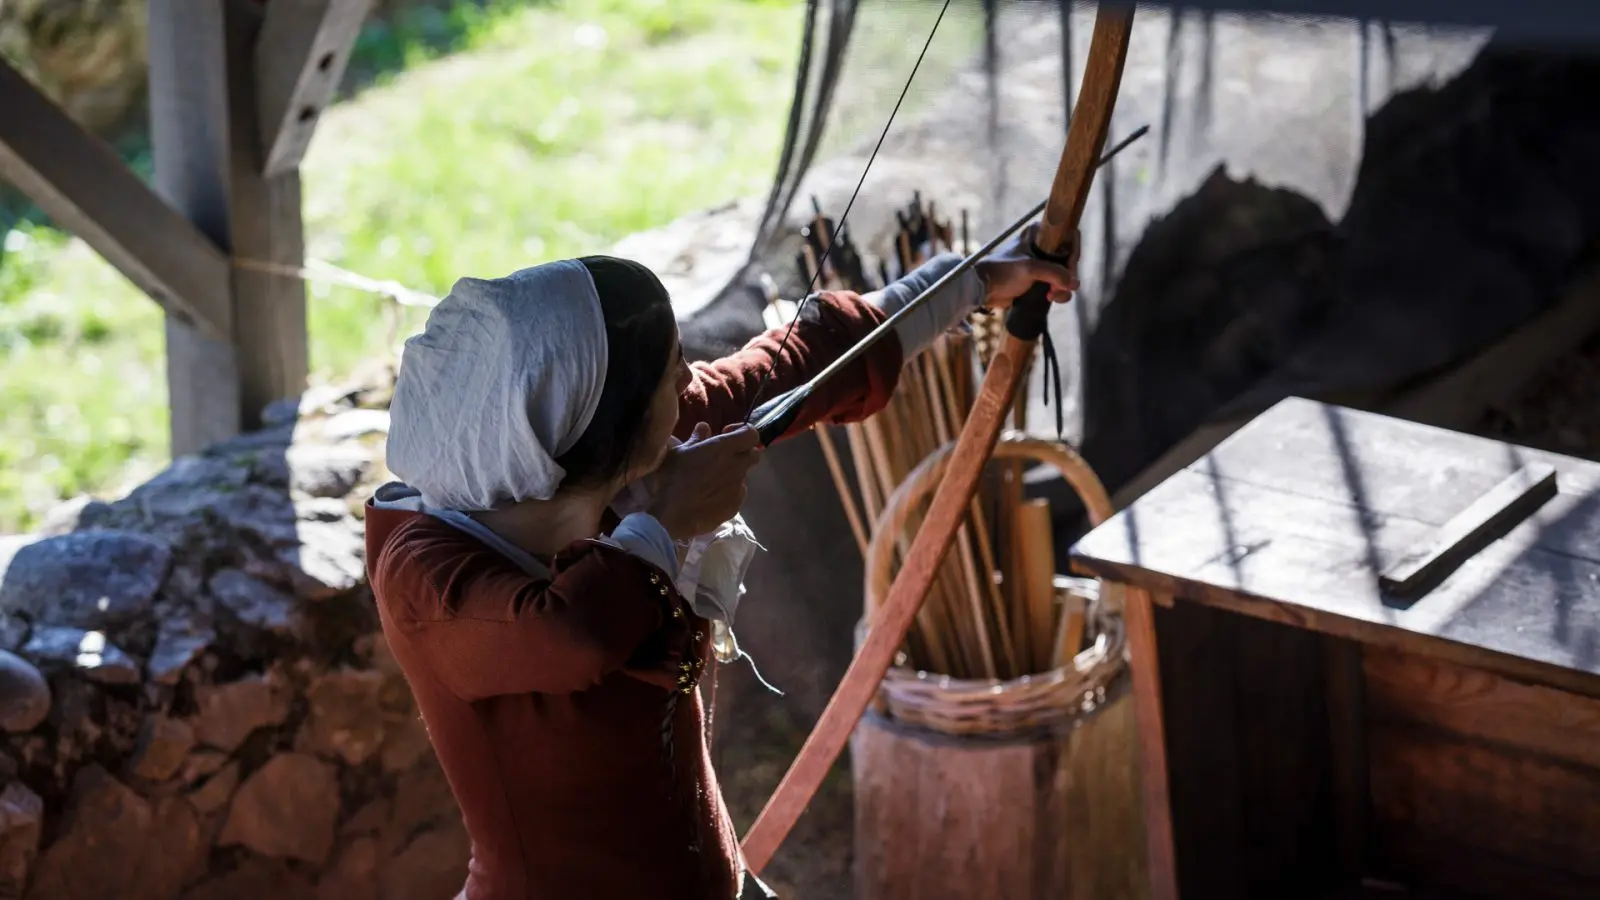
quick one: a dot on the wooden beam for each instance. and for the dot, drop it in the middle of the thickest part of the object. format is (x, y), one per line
(206, 148)
(84, 187)
(300, 57)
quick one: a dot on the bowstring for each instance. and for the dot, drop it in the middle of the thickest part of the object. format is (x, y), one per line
(827, 251)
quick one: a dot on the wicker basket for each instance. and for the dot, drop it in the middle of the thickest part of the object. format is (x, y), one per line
(992, 707)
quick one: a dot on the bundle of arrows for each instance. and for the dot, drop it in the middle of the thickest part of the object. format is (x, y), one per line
(1003, 557)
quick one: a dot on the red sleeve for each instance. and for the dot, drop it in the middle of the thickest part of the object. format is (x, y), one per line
(487, 628)
(721, 391)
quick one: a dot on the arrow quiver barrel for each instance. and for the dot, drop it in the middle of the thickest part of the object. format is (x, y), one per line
(1044, 761)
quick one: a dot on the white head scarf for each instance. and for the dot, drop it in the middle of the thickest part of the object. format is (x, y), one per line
(504, 378)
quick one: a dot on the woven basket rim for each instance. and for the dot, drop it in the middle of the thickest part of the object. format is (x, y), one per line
(1102, 647)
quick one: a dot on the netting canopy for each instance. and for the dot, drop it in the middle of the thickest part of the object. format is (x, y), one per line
(1281, 100)
(1272, 113)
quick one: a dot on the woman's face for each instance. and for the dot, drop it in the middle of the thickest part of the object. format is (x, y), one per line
(664, 408)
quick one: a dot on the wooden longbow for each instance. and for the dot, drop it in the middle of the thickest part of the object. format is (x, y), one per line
(1069, 193)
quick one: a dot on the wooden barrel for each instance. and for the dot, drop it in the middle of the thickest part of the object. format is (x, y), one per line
(1049, 817)
(1020, 789)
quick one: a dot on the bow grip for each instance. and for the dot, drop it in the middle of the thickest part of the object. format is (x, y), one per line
(1030, 313)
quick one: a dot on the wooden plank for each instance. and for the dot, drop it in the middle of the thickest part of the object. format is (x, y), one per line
(1540, 815)
(1379, 463)
(1345, 696)
(1404, 688)
(84, 187)
(203, 128)
(300, 57)
(1247, 746)
(1487, 518)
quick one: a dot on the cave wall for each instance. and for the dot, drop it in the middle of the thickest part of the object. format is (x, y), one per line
(1476, 206)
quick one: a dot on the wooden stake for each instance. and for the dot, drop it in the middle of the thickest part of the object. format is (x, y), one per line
(1069, 633)
(830, 454)
(1037, 581)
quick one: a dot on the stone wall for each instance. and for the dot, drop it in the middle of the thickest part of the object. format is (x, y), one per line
(196, 698)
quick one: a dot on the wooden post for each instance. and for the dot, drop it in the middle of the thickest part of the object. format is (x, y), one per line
(203, 123)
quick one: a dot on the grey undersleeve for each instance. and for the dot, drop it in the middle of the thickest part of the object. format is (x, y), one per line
(940, 313)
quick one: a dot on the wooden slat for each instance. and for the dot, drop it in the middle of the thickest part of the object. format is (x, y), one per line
(1247, 750)
(203, 128)
(1470, 702)
(1345, 697)
(1395, 467)
(1506, 505)
(83, 186)
(300, 57)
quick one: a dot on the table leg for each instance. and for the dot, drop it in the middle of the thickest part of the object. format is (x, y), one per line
(1146, 671)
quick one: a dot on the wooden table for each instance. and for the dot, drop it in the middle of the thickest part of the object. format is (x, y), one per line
(1306, 734)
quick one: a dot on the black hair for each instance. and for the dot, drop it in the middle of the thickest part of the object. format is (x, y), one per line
(639, 329)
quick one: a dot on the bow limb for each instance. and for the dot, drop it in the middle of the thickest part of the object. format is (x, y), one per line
(1091, 121)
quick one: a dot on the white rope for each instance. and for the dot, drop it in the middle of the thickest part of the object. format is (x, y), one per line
(316, 271)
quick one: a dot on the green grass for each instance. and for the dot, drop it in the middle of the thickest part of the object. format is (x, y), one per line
(491, 138)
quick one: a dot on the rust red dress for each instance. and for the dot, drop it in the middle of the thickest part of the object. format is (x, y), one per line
(565, 711)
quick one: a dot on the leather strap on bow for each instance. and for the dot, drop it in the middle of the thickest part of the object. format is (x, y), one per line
(1091, 121)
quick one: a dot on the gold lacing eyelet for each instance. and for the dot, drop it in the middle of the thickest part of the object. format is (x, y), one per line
(688, 690)
(677, 613)
(654, 578)
(663, 590)
(699, 635)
